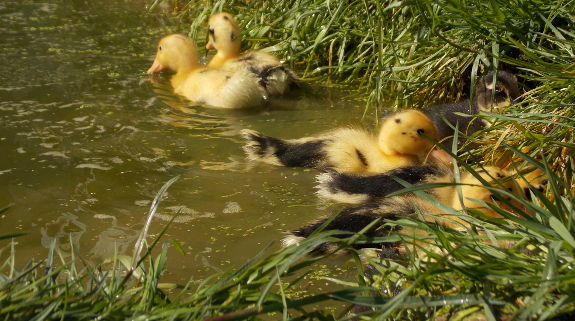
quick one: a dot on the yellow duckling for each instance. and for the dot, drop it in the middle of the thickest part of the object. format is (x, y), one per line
(473, 193)
(401, 142)
(200, 84)
(224, 36)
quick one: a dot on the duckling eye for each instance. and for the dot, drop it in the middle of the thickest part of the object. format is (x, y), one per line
(160, 48)
(544, 182)
(420, 131)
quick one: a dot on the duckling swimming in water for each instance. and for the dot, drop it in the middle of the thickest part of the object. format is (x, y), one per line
(200, 84)
(224, 36)
(400, 142)
(355, 219)
(356, 189)
(487, 97)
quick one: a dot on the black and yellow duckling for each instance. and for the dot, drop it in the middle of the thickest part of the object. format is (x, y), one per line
(355, 189)
(224, 36)
(401, 141)
(488, 96)
(355, 219)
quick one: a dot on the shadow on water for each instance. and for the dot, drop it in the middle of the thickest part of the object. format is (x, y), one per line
(88, 140)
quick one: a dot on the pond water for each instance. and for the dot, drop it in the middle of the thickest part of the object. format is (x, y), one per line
(88, 140)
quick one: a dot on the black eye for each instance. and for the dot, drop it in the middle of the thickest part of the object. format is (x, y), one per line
(544, 182)
(498, 89)
(212, 31)
(420, 131)
(160, 48)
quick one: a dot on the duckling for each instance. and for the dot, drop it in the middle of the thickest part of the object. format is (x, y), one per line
(355, 189)
(355, 219)
(487, 96)
(400, 142)
(200, 84)
(224, 36)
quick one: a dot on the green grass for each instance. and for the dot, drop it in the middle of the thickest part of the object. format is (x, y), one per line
(471, 278)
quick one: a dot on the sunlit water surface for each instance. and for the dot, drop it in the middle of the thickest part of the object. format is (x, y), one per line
(88, 140)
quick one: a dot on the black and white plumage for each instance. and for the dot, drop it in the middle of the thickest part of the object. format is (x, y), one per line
(356, 189)
(487, 96)
(402, 140)
(355, 219)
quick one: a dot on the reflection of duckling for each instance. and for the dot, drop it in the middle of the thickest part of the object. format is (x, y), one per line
(400, 142)
(225, 37)
(355, 219)
(203, 85)
(487, 96)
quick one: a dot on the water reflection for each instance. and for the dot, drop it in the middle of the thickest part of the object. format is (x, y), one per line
(89, 139)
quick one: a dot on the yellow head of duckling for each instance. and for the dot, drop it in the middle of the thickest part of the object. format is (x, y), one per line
(405, 133)
(473, 188)
(224, 35)
(175, 52)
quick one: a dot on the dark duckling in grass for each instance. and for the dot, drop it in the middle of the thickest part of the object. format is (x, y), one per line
(489, 96)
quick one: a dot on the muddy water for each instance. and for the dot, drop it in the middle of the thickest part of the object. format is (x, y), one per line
(88, 139)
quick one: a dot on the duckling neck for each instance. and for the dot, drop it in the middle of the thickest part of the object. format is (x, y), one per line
(221, 57)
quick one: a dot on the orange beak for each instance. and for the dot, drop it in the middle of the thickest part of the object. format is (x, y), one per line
(156, 67)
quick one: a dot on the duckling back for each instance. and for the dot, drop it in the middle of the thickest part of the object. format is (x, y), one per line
(221, 88)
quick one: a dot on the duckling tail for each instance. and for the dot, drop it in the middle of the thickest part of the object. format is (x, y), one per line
(277, 80)
(291, 153)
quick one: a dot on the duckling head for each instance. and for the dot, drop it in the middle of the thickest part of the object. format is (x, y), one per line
(501, 94)
(472, 189)
(224, 35)
(175, 52)
(407, 132)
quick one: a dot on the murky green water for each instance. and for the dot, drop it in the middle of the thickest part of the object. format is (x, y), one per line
(88, 140)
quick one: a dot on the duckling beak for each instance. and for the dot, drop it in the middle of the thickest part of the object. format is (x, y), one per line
(156, 67)
(438, 155)
(210, 46)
